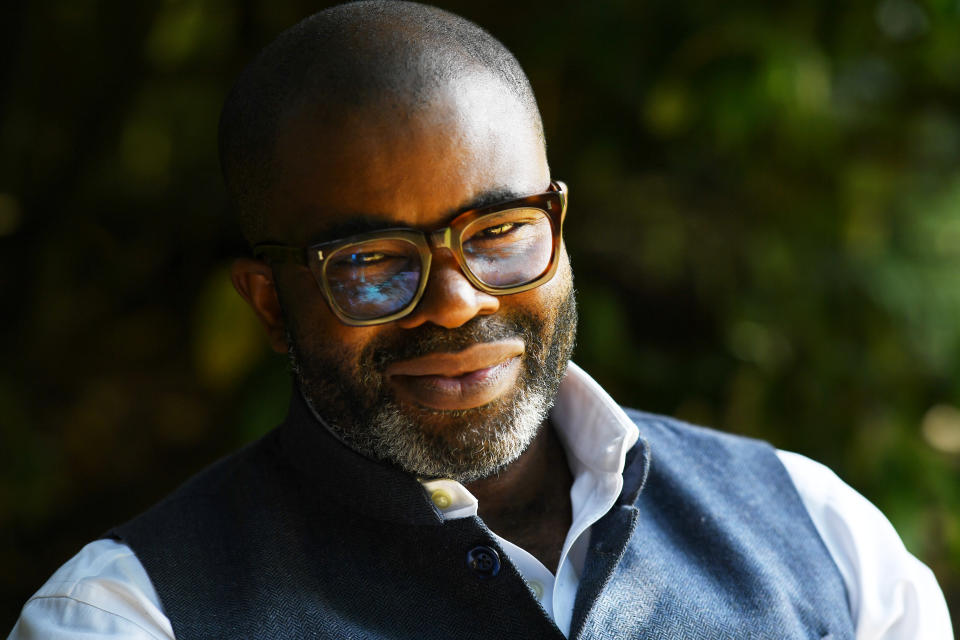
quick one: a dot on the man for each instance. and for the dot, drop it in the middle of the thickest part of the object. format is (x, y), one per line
(443, 472)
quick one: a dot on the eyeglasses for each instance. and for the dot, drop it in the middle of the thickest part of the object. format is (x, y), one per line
(378, 277)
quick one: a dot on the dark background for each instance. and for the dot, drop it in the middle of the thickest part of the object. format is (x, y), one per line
(764, 227)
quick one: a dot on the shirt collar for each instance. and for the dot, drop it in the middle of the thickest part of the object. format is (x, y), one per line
(594, 430)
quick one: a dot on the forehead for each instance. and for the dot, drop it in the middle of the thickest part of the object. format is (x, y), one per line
(403, 163)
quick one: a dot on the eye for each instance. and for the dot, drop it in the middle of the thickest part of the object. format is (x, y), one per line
(500, 229)
(366, 259)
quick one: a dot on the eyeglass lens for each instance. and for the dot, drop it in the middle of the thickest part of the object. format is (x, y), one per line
(508, 248)
(374, 278)
(379, 277)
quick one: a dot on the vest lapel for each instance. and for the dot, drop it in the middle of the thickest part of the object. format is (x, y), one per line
(609, 538)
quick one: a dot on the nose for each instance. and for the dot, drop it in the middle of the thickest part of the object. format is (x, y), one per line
(449, 300)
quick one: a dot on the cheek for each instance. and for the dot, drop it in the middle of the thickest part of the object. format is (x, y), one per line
(564, 272)
(549, 295)
(544, 302)
(314, 326)
(561, 297)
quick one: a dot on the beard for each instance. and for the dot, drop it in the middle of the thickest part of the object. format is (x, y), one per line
(348, 392)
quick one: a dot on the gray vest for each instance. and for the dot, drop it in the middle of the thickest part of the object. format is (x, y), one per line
(297, 536)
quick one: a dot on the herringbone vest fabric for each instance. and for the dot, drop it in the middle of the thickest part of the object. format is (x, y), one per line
(297, 536)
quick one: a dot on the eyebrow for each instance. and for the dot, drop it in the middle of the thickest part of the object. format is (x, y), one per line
(358, 223)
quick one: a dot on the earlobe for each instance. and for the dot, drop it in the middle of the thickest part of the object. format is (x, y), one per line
(253, 280)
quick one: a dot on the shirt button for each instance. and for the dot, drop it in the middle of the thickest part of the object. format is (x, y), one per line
(441, 498)
(536, 588)
(484, 561)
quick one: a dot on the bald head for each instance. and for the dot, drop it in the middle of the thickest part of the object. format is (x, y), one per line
(374, 57)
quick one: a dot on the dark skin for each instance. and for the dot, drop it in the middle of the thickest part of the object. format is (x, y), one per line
(468, 143)
(529, 503)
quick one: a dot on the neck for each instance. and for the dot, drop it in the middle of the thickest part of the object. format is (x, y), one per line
(528, 503)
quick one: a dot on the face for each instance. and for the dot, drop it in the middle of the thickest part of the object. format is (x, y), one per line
(460, 387)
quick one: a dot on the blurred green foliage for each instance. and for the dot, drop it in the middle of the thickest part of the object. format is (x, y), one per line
(764, 226)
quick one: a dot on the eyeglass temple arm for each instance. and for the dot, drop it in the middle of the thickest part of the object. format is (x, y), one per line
(277, 253)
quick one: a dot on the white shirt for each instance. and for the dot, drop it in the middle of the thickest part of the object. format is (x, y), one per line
(105, 592)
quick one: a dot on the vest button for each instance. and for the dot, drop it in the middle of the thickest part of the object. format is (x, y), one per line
(484, 561)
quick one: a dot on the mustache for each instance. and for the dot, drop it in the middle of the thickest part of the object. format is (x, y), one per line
(430, 338)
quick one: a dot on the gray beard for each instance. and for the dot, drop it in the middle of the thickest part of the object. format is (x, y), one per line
(465, 445)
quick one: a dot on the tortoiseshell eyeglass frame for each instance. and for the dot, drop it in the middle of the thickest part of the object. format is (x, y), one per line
(553, 203)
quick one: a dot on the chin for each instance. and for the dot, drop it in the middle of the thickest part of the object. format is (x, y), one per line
(464, 445)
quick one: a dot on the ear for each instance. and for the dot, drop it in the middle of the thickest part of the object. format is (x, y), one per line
(253, 280)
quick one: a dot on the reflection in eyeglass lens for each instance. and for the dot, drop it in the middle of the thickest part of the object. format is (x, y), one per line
(374, 278)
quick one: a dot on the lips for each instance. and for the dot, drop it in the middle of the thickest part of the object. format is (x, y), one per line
(464, 379)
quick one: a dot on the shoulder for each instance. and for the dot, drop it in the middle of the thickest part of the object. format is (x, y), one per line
(103, 591)
(892, 594)
(225, 489)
